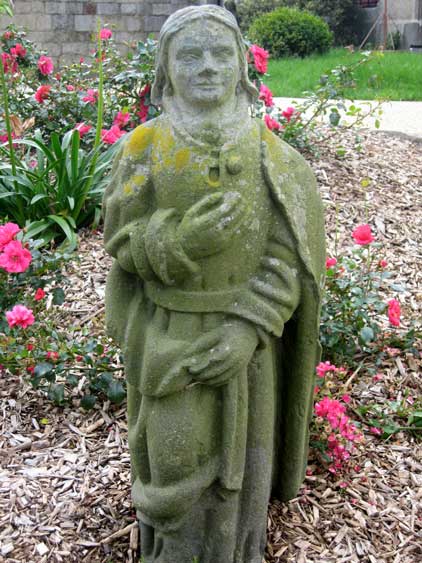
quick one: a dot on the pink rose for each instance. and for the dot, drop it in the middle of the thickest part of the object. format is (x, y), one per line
(42, 93)
(288, 112)
(83, 128)
(18, 51)
(15, 258)
(330, 262)
(105, 33)
(70, 88)
(271, 123)
(143, 111)
(7, 233)
(20, 316)
(9, 63)
(362, 235)
(45, 65)
(110, 136)
(394, 312)
(39, 294)
(323, 367)
(260, 58)
(91, 96)
(383, 263)
(266, 95)
(121, 119)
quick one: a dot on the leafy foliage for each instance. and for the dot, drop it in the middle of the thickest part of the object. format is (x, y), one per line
(288, 31)
(342, 16)
(63, 364)
(55, 188)
(355, 307)
(44, 270)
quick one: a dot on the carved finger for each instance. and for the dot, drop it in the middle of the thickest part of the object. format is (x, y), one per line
(204, 204)
(205, 343)
(215, 370)
(223, 378)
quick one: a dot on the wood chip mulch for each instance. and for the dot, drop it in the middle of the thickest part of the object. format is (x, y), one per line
(65, 474)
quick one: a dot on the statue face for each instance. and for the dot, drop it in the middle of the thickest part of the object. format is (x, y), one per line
(203, 64)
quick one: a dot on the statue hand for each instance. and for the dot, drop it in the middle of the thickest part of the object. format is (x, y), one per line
(223, 353)
(209, 225)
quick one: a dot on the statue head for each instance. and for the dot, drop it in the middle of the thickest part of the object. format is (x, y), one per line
(201, 57)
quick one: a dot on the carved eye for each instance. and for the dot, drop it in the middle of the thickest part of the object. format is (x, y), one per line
(190, 56)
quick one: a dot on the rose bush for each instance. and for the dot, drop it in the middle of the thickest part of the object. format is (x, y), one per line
(62, 364)
(355, 307)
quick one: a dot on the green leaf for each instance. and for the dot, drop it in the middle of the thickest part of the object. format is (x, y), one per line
(64, 225)
(56, 393)
(389, 430)
(37, 198)
(415, 419)
(334, 118)
(116, 392)
(43, 369)
(88, 402)
(58, 296)
(366, 334)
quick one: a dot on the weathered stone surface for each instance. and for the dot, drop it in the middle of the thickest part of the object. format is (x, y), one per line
(62, 22)
(130, 9)
(216, 231)
(108, 8)
(85, 23)
(154, 23)
(55, 7)
(150, 16)
(162, 9)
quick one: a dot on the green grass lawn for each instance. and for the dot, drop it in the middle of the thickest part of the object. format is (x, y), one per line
(397, 75)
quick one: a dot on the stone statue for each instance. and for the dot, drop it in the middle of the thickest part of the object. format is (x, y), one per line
(216, 231)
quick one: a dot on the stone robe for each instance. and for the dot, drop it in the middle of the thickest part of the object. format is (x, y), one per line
(204, 459)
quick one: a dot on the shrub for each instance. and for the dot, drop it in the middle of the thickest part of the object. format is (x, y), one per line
(287, 31)
(247, 11)
(65, 364)
(342, 16)
(356, 304)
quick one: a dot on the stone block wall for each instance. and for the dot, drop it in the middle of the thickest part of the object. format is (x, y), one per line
(64, 28)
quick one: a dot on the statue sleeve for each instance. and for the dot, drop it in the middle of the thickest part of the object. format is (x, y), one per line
(141, 237)
(128, 204)
(276, 286)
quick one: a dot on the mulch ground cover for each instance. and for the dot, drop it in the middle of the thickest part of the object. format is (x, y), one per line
(65, 473)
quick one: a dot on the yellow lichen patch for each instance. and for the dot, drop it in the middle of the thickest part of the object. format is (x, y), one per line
(134, 184)
(138, 180)
(269, 137)
(140, 139)
(128, 188)
(164, 139)
(182, 158)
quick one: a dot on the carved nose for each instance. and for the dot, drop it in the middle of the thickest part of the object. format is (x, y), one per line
(209, 65)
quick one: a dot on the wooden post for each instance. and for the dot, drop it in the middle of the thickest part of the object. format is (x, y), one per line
(385, 24)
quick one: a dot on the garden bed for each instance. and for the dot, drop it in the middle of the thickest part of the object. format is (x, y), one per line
(65, 474)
